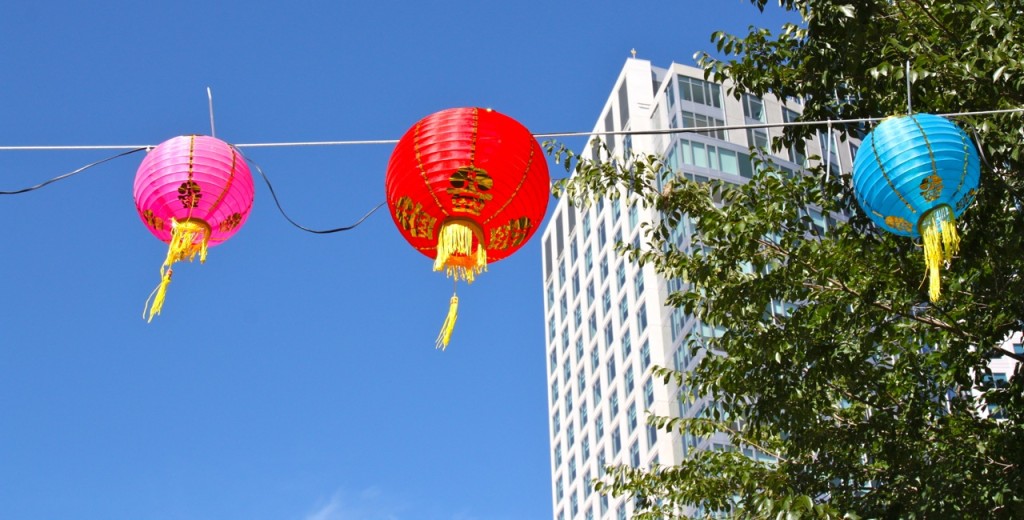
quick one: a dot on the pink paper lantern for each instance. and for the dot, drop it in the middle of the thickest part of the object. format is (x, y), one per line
(192, 192)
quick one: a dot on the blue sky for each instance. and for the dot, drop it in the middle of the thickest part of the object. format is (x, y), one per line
(292, 376)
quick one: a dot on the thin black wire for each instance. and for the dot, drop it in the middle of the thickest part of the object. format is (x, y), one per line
(70, 174)
(296, 224)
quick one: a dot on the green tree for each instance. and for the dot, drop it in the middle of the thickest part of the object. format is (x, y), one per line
(863, 392)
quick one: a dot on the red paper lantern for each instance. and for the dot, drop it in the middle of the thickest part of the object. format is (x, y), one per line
(467, 186)
(192, 192)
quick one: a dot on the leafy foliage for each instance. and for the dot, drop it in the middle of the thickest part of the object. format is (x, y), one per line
(864, 393)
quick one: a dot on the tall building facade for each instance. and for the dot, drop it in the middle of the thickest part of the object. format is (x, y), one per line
(606, 321)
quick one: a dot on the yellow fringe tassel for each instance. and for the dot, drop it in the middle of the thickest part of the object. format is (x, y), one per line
(449, 324)
(183, 246)
(455, 253)
(941, 242)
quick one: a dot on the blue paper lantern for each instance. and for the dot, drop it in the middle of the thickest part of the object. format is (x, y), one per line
(914, 175)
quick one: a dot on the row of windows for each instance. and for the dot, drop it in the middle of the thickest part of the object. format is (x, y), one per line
(620, 512)
(554, 245)
(693, 120)
(695, 91)
(597, 388)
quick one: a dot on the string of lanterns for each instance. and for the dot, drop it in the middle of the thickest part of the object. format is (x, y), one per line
(469, 186)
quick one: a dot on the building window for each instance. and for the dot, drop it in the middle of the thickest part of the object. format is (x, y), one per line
(795, 154)
(575, 505)
(561, 273)
(556, 422)
(590, 293)
(551, 294)
(573, 250)
(604, 267)
(611, 369)
(620, 276)
(599, 426)
(616, 208)
(583, 413)
(595, 361)
(627, 345)
(554, 391)
(552, 360)
(641, 318)
(1018, 348)
(629, 379)
(631, 417)
(753, 108)
(652, 437)
(606, 302)
(564, 306)
(604, 504)
(578, 317)
(613, 404)
(616, 440)
(586, 447)
(609, 334)
(700, 91)
(593, 324)
(568, 403)
(551, 328)
(649, 392)
(634, 216)
(572, 467)
(586, 225)
(645, 355)
(638, 286)
(588, 260)
(601, 236)
(758, 138)
(571, 438)
(692, 120)
(575, 283)
(558, 488)
(634, 454)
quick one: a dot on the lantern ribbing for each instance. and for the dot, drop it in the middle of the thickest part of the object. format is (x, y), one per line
(465, 189)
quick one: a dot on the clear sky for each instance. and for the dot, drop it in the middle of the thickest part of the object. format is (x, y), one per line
(292, 376)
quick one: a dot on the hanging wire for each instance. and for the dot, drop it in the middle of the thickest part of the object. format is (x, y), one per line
(72, 173)
(277, 202)
(910, 106)
(667, 131)
(209, 96)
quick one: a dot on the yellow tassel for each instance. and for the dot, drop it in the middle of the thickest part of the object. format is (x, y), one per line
(449, 324)
(941, 242)
(455, 253)
(182, 246)
(158, 295)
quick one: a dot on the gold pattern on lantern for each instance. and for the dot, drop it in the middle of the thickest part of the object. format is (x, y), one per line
(154, 221)
(469, 185)
(965, 200)
(189, 194)
(898, 223)
(931, 187)
(231, 222)
(411, 217)
(511, 234)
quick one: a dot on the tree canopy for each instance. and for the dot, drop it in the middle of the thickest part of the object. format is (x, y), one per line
(872, 401)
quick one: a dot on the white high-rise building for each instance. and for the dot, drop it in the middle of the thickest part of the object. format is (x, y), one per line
(606, 318)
